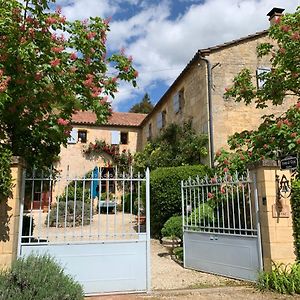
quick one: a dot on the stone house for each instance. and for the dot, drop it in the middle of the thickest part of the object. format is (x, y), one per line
(198, 93)
(122, 130)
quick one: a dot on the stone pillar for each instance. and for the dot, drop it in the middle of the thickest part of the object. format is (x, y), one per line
(10, 217)
(274, 212)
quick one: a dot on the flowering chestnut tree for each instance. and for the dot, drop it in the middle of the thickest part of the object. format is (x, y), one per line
(277, 135)
(49, 69)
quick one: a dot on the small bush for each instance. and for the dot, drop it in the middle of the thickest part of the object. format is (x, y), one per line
(127, 203)
(201, 215)
(79, 193)
(38, 278)
(73, 214)
(165, 193)
(173, 228)
(295, 203)
(178, 252)
(284, 279)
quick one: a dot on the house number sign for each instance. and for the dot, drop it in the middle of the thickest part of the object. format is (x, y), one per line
(289, 162)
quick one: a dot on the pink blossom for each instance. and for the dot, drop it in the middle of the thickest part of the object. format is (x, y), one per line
(213, 180)
(88, 61)
(62, 19)
(55, 62)
(73, 56)
(285, 28)
(57, 49)
(130, 58)
(210, 195)
(62, 122)
(295, 36)
(293, 134)
(225, 170)
(91, 35)
(58, 10)
(114, 79)
(51, 20)
(38, 76)
(136, 74)
(73, 69)
(107, 20)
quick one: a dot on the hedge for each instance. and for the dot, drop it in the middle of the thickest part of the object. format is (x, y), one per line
(295, 203)
(165, 193)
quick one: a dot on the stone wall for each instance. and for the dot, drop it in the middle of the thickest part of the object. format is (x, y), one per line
(10, 217)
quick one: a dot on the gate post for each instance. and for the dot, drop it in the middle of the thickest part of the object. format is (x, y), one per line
(274, 212)
(10, 216)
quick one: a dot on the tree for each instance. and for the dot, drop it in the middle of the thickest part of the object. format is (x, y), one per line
(49, 69)
(176, 146)
(143, 107)
(277, 135)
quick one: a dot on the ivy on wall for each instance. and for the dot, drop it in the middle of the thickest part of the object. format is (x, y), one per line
(5, 173)
(123, 160)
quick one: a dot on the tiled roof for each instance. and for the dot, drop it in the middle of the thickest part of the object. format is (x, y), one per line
(230, 43)
(117, 118)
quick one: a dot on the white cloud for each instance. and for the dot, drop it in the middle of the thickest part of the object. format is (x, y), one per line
(82, 9)
(157, 41)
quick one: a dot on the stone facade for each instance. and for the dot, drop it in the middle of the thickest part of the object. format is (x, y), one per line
(228, 116)
(76, 164)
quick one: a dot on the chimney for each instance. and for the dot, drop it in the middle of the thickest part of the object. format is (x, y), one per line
(274, 14)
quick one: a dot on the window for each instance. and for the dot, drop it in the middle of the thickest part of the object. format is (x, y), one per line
(259, 76)
(178, 101)
(149, 134)
(82, 136)
(124, 138)
(161, 119)
(73, 138)
(115, 137)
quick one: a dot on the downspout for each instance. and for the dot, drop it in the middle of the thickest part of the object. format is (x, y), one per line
(210, 116)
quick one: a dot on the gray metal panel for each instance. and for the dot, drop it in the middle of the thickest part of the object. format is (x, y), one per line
(101, 267)
(233, 256)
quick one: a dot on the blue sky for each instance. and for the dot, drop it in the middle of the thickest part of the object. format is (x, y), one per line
(162, 36)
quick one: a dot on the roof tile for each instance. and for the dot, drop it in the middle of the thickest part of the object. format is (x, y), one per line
(117, 118)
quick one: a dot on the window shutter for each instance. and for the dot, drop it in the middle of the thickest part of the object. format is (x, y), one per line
(260, 72)
(115, 137)
(73, 138)
(176, 103)
(159, 121)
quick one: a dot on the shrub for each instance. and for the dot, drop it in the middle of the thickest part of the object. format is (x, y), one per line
(73, 214)
(127, 203)
(165, 193)
(80, 193)
(178, 252)
(205, 212)
(295, 203)
(38, 278)
(284, 279)
(173, 228)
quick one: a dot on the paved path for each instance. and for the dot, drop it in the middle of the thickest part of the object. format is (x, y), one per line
(223, 293)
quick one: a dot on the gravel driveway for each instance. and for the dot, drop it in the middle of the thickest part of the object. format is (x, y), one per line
(171, 281)
(167, 274)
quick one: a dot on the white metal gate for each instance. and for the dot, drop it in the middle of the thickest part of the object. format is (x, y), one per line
(221, 226)
(95, 226)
